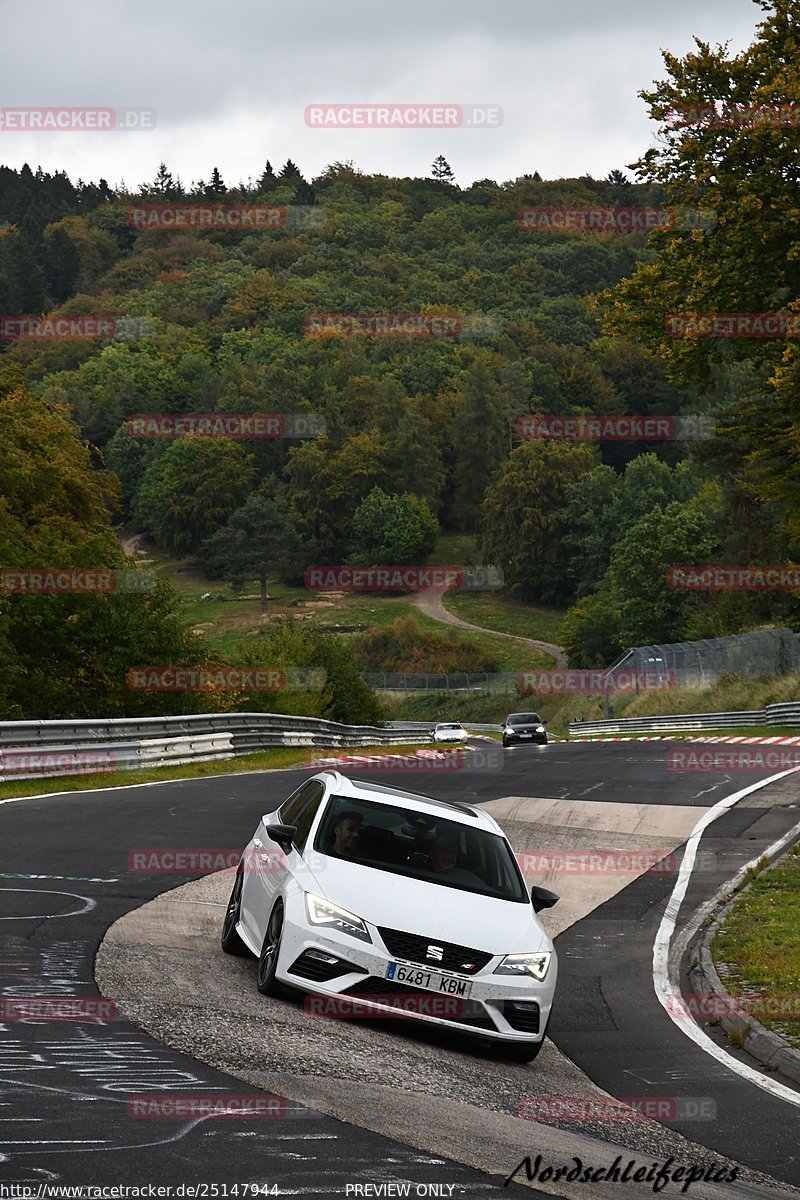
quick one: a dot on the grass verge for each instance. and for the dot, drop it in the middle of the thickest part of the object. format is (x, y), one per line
(497, 611)
(757, 948)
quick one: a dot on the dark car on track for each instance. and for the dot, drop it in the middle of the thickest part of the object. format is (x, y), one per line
(524, 727)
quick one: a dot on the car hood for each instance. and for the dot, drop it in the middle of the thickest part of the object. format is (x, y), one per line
(533, 725)
(428, 909)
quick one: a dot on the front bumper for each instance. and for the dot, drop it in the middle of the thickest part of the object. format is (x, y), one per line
(536, 739)
(490, 1010)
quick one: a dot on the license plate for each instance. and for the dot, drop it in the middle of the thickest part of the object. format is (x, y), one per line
(432, 981)
(526, 735)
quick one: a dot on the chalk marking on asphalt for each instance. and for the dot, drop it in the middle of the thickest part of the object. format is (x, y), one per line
(71, 878)
(664, 987)
(89, 904)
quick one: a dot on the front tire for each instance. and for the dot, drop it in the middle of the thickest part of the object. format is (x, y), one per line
(266, 982)
(506, 744)
(230, 941)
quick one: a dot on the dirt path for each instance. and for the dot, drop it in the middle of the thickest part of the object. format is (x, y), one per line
(431, 603)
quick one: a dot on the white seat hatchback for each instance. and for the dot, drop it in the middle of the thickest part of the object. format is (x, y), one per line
(394, 901)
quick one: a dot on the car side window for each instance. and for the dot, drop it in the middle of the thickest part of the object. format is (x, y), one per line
(291, 808)
(313, 797)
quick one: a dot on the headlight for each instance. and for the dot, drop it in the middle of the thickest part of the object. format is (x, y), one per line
(540, 728)
(536, 965)
(330, 916)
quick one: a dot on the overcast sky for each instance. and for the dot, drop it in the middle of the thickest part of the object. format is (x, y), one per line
(230, 81)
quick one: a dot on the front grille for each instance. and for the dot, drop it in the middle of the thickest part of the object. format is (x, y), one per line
(414, 948)
(472, 1013)
(309, 967)
(525, 1019)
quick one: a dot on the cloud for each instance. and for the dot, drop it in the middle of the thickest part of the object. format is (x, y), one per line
(230, 82)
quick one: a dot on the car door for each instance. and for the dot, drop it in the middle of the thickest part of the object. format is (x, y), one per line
(274, 870)
(262, 865)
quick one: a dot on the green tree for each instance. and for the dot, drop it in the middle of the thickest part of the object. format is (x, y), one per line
(260, 538)
(327, 484)
(480, 437)
(678, 535)
(67, 655)
(591, 635)
(742, 174)
(62, 262)
(190, 490)
(442, 170)
(591, 518)
(524, 518)
(392, 529)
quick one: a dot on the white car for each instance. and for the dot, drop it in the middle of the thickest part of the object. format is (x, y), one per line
(449, 732)
(395, 902)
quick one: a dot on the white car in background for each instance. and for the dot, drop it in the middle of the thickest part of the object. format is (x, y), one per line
(398, 904)
(449, 732)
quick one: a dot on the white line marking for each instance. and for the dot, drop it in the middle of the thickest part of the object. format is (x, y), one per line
(665, 988)
(89, 904)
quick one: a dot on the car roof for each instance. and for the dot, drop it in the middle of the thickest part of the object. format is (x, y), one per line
(531, 715)
(448, 725)
(362, 789)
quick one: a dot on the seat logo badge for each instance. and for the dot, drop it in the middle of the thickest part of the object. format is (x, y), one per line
(435, 952)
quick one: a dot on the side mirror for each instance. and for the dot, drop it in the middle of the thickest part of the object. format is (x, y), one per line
(542, 898)
(282, 834)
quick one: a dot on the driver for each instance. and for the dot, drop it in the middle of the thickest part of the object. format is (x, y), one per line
(347, 833)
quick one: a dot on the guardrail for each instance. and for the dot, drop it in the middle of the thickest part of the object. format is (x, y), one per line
(773, 714)
(46, 749)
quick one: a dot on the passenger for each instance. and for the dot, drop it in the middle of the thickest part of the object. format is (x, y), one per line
(444, 857)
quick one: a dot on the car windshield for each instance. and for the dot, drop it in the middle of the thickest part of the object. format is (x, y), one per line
(524, 719)
(420, 845)
(448, 726)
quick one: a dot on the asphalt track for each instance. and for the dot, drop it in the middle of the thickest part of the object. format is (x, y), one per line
(63, 1087)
